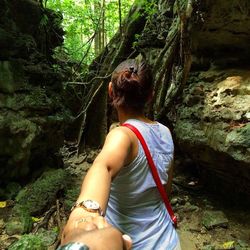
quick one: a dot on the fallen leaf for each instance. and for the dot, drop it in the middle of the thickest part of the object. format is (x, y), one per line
(229, 245)
(3, 204)
(35, 219)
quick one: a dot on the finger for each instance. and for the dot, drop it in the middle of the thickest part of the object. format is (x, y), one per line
(89, 226)
(127, 242)
(86, 223)
(101, 222)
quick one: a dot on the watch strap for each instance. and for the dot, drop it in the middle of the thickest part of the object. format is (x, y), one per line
(73, 246)
(81, 204)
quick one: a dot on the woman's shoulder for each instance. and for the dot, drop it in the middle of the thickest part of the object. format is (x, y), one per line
(163, 127)
(121, 133)
(118, 131)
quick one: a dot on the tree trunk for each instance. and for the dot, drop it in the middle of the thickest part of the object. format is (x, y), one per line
(97, 39)
(94, 121)
(120, 16)
(170, 68)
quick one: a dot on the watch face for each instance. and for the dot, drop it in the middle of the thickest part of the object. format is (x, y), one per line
(73, 246)
(91, 204)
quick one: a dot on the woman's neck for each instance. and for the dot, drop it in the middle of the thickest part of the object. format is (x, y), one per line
(125, 115)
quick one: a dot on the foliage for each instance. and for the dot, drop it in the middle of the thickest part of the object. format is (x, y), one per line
(136, 40)
(19, 222)
(28, 241)
(150, 8)
(81, 21)
(36, 197)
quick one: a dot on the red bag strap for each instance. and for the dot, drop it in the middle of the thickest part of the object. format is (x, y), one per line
(154, 172)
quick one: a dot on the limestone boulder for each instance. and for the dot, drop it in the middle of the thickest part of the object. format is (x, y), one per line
(212, 125)
(32, 110)
(211, 121)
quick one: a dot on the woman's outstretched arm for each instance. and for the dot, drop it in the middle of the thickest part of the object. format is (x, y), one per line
(116, 152)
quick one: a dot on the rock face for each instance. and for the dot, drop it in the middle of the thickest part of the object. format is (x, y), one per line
(221, 34)
(32, 116)
(210, 117)
(212, 122)
(212, 125)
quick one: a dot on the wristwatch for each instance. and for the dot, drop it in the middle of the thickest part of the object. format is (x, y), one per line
(90, 206)
(73, 246)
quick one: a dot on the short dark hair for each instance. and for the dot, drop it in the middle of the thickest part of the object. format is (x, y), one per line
(132, 84)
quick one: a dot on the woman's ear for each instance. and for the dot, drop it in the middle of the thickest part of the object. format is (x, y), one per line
(110, 90)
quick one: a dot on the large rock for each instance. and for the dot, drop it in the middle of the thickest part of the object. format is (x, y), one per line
(221, 33)
(212, 219)
(12, 76)
(210, 118)
(17, 140)
(32, 109)
(38, 196)
(213, 125)
(223, 107)
(34, 199)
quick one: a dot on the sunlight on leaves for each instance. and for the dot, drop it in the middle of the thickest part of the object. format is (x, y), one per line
(88, 24)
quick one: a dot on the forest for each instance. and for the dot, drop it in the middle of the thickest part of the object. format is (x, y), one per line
(56, 62)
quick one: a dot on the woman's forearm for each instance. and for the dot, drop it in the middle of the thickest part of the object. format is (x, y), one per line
(96, 185)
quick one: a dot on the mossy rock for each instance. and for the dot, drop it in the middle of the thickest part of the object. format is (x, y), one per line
(10, 191)
(71, 195)
(212, 219)
(11, 76)
(37, 197)
(19, 223)
(28, 242)
(48, 237)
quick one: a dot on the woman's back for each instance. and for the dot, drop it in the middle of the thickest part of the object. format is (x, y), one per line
(135, 205)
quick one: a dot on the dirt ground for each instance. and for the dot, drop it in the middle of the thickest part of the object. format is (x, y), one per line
(195, 236)
(190, 203)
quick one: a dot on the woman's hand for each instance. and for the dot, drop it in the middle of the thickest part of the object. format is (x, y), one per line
(96, 233)
(83, 223)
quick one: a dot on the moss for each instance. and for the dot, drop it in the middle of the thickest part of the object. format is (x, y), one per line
(36, 197)
(11, 76)
(71, 196)
(19, 223)
(28, 242)
(17, 138)
(12, 190)
(48, 237)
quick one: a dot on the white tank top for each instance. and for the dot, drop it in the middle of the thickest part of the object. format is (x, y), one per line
(135, 206)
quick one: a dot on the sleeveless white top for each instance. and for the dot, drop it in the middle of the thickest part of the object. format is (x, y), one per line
(135, 206)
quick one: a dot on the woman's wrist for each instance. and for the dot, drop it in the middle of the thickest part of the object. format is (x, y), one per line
(89, 205)
(78, 213)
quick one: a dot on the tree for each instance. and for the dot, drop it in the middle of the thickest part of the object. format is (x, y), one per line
(120, 16)
(89, 25)
(94, 127)
(170, 69)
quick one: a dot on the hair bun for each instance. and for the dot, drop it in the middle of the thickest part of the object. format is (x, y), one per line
(132, 84)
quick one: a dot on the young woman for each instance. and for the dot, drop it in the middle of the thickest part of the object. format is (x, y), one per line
(119, 184)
